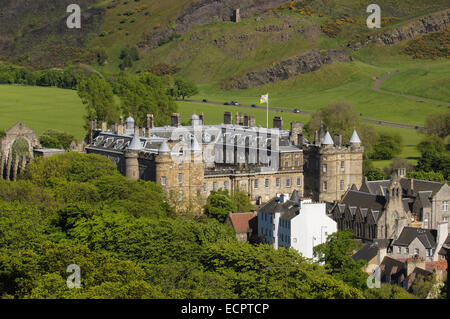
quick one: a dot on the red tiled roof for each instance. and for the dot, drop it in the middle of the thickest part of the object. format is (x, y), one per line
(241, 221)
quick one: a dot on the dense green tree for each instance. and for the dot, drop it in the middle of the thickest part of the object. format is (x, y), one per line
(371, 172)
(242, 201)
(145, 94)
(219, 205)
(438, 124)
(96, 93)
(49, 142)
(337, 253)
(341, 118)
(387, 146)
(396, 163)
(56, 139)
(427, 176)
(183, 89)
(388, 291)
(435, 156)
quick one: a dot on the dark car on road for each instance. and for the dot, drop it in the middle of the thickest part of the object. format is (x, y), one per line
(205, 100)
(253, 105)
(234, 103)
(296, 111)
(226, 103)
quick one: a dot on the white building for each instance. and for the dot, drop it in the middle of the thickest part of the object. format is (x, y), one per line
(301, 225)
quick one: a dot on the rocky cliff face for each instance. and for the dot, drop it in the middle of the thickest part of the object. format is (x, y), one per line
(431, 23)
(309, 62)
(209, 11)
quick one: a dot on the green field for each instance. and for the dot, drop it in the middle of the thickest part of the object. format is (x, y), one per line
(42, 108)
(351, 82)
(51, 108)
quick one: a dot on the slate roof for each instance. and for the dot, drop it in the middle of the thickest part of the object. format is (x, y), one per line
(289, 209)
(446, 244)
(364, 200)
(374, 187)
(370, 250)
(420, 185)
(426, 236)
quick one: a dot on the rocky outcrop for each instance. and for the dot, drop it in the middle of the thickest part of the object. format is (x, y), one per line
(309, 62)
(434, 22)
(209, 11)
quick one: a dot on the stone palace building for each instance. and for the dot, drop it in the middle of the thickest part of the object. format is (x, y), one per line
(191, 161)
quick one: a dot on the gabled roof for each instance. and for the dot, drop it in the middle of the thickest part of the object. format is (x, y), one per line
(288, 209)
(375, 187)
(242, 222)
(370, 250)
(364, 200)
(294, 197)
(426, 236)
(420, 185)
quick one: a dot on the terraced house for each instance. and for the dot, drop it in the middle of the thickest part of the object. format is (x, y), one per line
(380, 209)
(191, 161)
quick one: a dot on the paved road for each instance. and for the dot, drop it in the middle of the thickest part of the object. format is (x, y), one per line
(377, 84)
(276, 109)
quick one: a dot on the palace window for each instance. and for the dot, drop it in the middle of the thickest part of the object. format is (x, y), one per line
(445, 206)
(163, 180)
(297, 163)
(286, 164)
(324, 186)
(324, 168)
(225, 185)
(299, 181)
(278, 182)
(416, 251)
(204, 187)
(342, 184)
(288, 182)
(342, 166)
(215, 186)
(267, 183)
(256, 182)
(180, 178)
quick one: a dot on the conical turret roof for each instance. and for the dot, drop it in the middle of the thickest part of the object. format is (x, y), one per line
(195, 146)
(327, 140)
(164, 148)
(135, 144)
(355, 138)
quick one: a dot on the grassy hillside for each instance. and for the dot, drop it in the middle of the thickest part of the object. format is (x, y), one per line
(41, 109)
